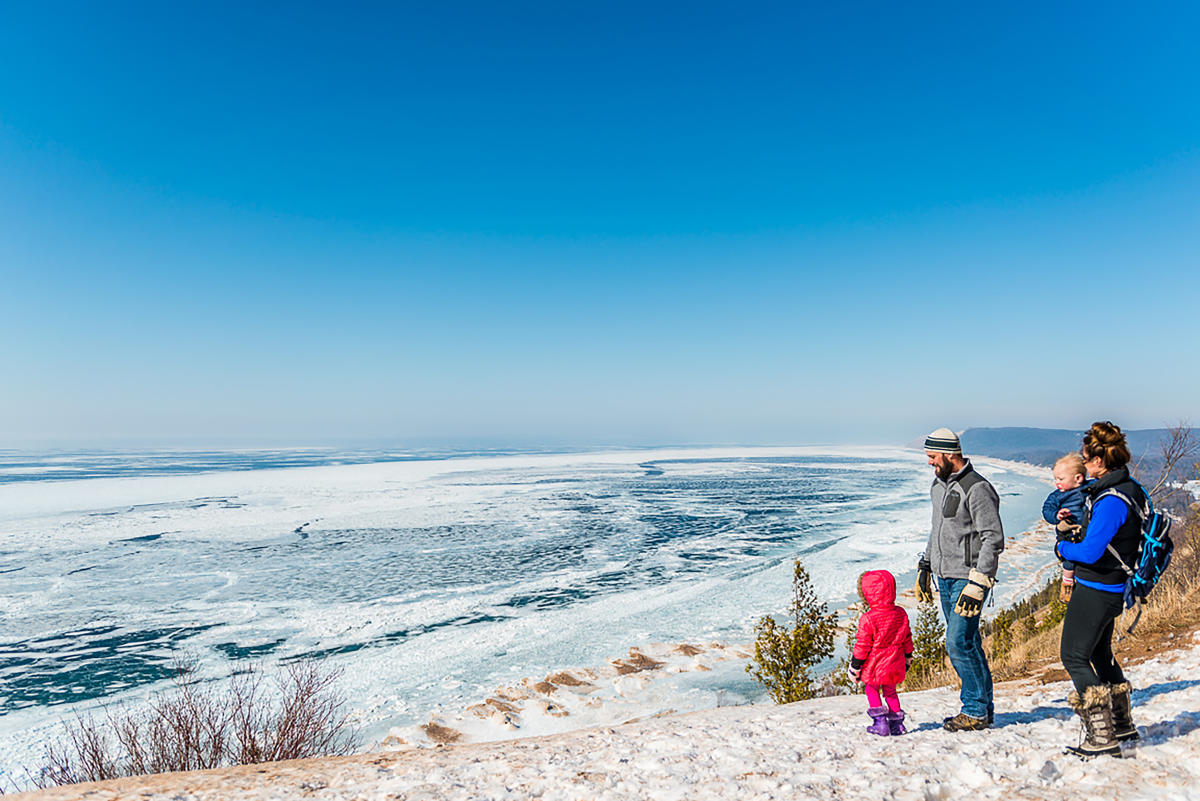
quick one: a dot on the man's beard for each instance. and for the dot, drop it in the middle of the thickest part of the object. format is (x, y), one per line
(944, 470)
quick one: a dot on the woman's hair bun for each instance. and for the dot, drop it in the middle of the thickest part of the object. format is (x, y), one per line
(1106, 440)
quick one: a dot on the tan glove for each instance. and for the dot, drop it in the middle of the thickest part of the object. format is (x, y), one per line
(1067, 531)
(970, 601)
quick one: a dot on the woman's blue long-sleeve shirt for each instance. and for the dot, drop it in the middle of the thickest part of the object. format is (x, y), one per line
(1108, 514)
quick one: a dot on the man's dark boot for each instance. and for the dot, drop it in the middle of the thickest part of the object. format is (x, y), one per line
(1094, 708)
(1122, 712)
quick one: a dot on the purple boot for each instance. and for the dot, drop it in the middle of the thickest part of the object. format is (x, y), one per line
(895, 722)
(879, 714)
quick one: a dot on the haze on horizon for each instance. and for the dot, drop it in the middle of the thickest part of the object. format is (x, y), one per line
(538, 224)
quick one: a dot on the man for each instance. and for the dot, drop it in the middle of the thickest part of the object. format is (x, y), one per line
(964, 547)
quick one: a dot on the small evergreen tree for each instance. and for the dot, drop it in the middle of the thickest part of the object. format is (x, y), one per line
(1002, 634)
(929, 640)
(784, 655)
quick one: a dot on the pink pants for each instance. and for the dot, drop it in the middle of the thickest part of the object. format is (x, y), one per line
(888, 691)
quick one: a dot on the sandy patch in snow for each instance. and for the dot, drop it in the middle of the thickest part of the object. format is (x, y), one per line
(568, 699)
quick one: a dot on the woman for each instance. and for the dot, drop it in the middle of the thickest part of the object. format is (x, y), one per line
(1112, 528)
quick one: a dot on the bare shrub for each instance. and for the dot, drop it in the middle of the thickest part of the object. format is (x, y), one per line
(86, 756)
(1164, 474)
(310, 721)
(194, 726)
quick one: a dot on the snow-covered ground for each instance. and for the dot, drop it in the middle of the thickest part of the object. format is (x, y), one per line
(813, 749)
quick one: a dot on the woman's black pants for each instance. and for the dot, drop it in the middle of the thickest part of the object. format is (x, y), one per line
(1086, 647)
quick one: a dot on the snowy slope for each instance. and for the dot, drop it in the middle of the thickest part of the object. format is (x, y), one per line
(814, 749)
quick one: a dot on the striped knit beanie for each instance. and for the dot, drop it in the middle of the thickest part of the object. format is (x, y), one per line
(943, 441)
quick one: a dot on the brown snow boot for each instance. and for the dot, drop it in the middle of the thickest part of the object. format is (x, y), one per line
(1122, 713)
(964, 722)
(1094, 708)
(1067, 585)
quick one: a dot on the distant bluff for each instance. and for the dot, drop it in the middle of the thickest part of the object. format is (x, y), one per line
(1043, 446)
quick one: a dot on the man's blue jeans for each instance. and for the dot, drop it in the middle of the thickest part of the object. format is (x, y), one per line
(965, 648)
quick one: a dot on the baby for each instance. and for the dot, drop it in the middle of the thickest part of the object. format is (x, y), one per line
(1064, 508)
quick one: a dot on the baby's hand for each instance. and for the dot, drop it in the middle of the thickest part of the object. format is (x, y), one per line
(1063, 514)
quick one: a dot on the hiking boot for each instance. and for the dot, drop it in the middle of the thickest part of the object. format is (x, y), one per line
(1094, 708)
(964, 722)
(896, 723)
(879, 716)
(1122, 713)
(1064, 592)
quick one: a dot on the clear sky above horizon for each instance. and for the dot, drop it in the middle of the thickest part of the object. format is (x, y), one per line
(515, 223)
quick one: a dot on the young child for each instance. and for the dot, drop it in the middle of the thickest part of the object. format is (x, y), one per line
(1064, 508)
(882, 651)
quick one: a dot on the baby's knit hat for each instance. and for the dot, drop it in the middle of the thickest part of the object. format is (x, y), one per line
(943, 441)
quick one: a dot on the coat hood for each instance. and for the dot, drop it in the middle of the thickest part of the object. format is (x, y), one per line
(878, 588)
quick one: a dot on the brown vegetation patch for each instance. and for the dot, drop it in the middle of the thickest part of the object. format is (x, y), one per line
(688, 650)
(393, 741)
(441, 734)
(636, 663)
(553, 710)
(544, 687)
(566, 679)
(503, 706)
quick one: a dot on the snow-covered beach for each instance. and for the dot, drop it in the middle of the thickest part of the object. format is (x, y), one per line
(810, 749)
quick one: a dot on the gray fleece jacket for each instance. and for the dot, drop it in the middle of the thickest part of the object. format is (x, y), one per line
(966, 531)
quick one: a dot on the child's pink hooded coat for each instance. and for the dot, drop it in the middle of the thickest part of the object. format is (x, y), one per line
(883, 637)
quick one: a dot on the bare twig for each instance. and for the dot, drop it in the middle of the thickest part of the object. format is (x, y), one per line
(1178, 447)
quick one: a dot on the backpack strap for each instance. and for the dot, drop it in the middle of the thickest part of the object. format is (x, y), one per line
(1120, 561)
(1141, 513)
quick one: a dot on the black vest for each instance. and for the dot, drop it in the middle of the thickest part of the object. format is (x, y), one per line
(1127, 540)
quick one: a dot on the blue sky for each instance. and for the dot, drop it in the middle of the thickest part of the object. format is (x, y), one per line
(541, 222)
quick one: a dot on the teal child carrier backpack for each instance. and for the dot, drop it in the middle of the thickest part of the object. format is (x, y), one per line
(1154, 554)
